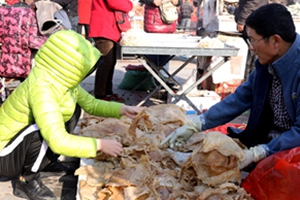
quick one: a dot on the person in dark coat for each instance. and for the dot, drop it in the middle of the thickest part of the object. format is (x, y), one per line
(71, 8)
(186, 10)
(245, 8)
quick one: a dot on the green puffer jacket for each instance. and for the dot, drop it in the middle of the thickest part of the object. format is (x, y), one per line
(48, 96)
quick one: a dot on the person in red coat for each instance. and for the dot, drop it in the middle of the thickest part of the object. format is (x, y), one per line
(106, 34)
(152, 18)
(84, 17)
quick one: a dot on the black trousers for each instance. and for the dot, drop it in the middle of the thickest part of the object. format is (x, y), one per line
(104, 75)
(250, 64)
(27, 153)
(86, 30)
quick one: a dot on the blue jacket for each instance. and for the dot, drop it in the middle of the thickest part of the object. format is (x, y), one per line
(252, 94)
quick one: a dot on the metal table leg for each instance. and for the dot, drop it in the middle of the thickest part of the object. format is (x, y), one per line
(154, 71)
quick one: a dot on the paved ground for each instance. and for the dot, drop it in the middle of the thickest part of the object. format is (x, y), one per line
(65, 186)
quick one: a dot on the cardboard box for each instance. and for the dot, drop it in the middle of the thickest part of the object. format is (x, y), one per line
(235, 67)
(202, 99)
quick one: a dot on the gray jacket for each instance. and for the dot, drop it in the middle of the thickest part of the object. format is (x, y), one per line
(245, 8)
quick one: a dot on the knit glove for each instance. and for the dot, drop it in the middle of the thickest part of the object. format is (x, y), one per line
(182, 134)
(254, 154)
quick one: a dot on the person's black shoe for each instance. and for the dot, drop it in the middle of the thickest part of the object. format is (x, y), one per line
(161, 95)
(57, 166)
(170, 84)
(33, 190)
(173, 86)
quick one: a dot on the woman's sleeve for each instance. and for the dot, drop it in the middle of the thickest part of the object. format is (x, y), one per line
(97, 107)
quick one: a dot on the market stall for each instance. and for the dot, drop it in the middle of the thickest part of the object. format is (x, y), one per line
(176, 45)
(148, 170)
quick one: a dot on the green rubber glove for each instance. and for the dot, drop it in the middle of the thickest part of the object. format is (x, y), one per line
(182, 134)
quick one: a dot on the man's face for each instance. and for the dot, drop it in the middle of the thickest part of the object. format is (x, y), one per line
(262, 47)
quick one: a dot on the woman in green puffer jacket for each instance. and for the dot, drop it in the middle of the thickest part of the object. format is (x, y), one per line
(33, 118)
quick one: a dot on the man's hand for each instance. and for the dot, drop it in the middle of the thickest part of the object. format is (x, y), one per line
(240, 28)
(254, 154)
(182, 134)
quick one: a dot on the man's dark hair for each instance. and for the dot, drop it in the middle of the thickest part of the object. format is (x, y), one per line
(273, 19)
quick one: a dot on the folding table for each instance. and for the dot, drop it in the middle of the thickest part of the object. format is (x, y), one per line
(175, 45)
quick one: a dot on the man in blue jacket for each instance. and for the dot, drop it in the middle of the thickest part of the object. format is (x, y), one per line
(272, 91)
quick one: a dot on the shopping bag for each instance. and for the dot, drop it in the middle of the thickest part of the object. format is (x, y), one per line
(276, 177)
(123, 21)
(168, 12)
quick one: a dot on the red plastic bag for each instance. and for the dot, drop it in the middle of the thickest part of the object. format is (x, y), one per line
(123, 21)
(276, 177)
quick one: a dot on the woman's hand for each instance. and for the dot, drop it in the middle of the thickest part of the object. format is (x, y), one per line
(157, 2)
(174, 2)
(130, 111)
(110, 147)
